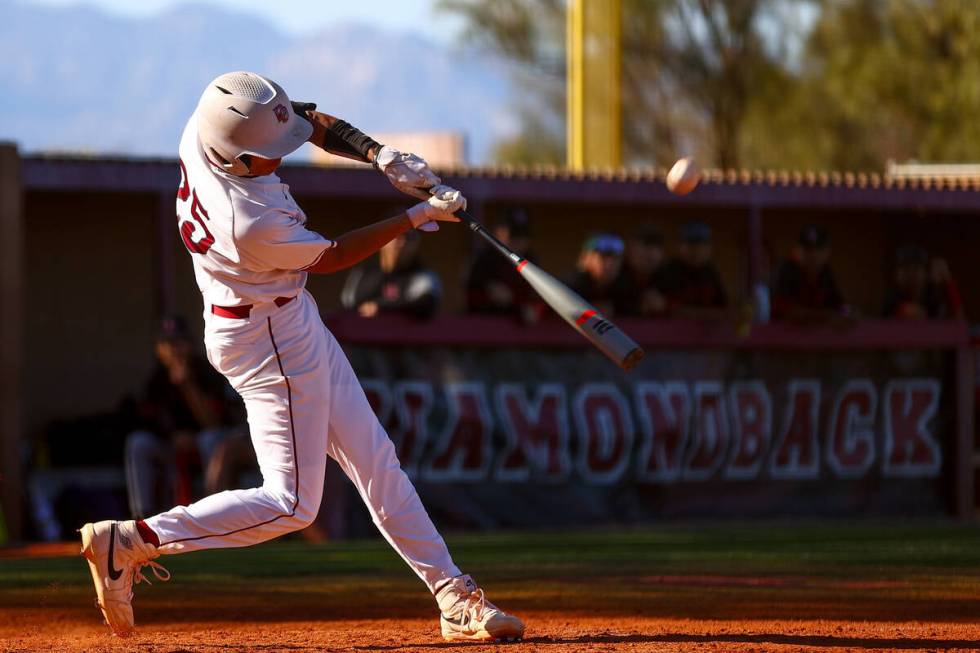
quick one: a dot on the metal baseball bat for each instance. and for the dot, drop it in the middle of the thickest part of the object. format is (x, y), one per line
(580, 314)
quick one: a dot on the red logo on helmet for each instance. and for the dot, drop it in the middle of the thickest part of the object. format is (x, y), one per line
(282, 114)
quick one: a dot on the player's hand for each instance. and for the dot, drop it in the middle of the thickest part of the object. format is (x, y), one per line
(407, 172)
(303, 109)
(439, 207)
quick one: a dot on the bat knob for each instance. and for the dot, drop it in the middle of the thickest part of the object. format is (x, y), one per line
(632, 359)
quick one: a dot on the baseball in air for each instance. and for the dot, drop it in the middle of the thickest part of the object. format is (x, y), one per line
(683, 176)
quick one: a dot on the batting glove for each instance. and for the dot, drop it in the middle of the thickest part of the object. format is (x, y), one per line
(439, 207)
(407, 172)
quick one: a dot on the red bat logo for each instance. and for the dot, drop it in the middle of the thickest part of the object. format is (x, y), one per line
(282, 114)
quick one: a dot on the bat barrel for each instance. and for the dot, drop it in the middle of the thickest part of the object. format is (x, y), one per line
(583, 317)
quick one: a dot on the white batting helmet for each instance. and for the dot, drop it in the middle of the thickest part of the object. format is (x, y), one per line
(242, 113)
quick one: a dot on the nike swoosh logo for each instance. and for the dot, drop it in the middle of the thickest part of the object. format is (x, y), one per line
(114, 574)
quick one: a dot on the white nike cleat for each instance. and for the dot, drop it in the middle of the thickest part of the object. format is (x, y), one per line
(468, 615)
(116, 555)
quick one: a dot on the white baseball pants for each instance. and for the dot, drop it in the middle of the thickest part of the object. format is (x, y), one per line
(304, 403)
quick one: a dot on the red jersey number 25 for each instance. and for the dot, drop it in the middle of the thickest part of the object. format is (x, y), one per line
(193, 231)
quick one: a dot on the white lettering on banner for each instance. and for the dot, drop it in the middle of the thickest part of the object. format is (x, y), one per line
(687, 431)
(535, 433)
(795, 451)
(710, 434)
(851, 429)
(751, 409)
(605, 432)
(413, 403)
(463, 451)
(910, 449)
(664, 410)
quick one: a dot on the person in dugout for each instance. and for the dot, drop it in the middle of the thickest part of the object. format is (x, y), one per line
(186, 412)
(804, 288)
(691, 281)
(493, 286)
(642, 273)
(923, 289)
(597, 274)
(396, 282)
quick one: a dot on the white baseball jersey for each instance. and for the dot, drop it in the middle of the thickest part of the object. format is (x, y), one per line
(248, 235)
(249, 245)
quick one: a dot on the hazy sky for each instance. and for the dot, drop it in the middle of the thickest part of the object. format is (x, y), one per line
(299, 16)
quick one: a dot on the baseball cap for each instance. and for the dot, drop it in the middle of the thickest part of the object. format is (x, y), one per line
(695, 231)
(814, 236)
(604, 243)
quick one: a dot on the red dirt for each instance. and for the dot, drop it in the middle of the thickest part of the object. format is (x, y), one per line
(49, 630)
(663, 617)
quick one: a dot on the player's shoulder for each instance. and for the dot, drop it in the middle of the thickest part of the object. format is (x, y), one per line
(196, 172)
(254, 219)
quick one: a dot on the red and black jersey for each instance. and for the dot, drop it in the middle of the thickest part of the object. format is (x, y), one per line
(937, 301)
(697, 286)
(792, 288)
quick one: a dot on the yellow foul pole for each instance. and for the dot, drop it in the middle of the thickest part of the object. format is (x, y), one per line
(594, 29)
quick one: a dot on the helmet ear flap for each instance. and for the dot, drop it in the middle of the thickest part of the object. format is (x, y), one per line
(238, 167)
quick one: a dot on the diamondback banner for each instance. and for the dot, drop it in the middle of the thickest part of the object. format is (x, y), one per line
(523, 437)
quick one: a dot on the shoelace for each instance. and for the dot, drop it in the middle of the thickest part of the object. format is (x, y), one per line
(138, 576)
(155, 567)
(474, 607)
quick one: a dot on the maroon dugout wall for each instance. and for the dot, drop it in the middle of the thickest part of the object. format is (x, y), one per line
(540, 430)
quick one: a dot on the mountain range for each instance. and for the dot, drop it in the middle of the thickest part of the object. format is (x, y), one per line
(78, 79)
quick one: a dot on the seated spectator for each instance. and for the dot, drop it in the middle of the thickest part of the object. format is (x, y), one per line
(691, 282)
(397, 282)
(642, 274)
(804, 287)
(187, 410)
(597, 273)
(493, 286)
(923, 289)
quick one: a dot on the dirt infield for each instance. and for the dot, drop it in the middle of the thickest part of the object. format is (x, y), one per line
(745, 589)
(547, 632)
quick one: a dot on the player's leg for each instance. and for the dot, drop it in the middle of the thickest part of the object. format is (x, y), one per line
(282, 385)
(275, 366)
(359, 444)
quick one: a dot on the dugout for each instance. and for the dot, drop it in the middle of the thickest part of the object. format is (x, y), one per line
(90, 258)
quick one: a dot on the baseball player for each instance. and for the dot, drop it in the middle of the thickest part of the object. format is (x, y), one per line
(252, 253)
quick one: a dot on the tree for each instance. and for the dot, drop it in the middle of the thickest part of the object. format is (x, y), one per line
(690, 71)
(894, 79)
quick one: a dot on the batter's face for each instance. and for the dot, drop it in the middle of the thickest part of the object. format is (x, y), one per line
(257, 166)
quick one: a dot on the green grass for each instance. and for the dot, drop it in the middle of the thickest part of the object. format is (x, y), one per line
(875, 570)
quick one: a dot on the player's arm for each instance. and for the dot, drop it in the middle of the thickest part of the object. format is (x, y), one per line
(407, 172)
(355, 246)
